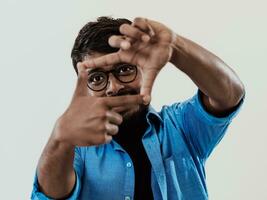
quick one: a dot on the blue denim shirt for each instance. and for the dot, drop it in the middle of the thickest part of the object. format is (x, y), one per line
(178, 142)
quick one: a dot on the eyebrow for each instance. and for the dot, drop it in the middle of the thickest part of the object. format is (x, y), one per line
(90, 70)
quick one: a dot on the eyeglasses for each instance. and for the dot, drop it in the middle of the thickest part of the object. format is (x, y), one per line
(98, 80)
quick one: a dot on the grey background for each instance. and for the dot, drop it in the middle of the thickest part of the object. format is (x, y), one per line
(37, 81)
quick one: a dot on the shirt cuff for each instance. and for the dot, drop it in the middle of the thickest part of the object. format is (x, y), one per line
(208, 117)
(38, 195)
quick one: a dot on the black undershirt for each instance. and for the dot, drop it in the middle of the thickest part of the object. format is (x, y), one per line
(130, 138)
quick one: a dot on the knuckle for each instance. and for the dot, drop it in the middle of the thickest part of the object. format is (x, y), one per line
(102, 102)
(107, 138)
(112, 128)
(82, 75)
(108, 115)
(120, 119)
(116, 129)
(102, 128)
(137, 19)
(123, 27)
(102, 114)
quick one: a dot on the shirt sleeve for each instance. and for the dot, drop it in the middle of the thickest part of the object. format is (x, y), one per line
(78, 167)
(201, 129)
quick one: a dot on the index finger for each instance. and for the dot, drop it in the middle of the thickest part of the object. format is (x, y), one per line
(149, 77)
(123, 100)
(81, 86)
(143, 24)
(109, 59)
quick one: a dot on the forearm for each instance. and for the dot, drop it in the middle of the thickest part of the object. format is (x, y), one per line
(212, 76)
(55, 171)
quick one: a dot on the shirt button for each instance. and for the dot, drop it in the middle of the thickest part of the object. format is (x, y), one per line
(127, 198)
(128, 165)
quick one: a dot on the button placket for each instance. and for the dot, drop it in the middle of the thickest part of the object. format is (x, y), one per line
(129, 164)
(129, 178)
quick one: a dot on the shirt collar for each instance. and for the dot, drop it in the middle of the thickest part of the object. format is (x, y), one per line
(153, 114)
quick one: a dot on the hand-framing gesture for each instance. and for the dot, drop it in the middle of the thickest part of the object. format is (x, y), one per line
(145, 43)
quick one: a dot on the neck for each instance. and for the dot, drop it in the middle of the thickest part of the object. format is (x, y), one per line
(134, 127)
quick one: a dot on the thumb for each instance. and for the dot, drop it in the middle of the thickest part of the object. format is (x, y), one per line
(149, 77)
(81, 86)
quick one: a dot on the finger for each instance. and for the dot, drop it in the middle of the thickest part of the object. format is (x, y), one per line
(108, 138)
(109, 59)
(143, 24)
(134, 32)
(113, 117)
(123, 100)
(105, 138)
(148, 81)
(118, 41)
(112, 129)
(81, 86)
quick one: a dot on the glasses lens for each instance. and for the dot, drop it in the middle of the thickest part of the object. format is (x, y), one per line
(97, 81)
(126, 73)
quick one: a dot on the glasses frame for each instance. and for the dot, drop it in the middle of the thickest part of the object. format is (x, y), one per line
(113, 71)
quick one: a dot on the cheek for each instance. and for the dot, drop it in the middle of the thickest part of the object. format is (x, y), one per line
(136, 85)
(96, 94)
(138, 81)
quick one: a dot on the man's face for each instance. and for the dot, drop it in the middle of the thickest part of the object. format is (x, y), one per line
(115, 87)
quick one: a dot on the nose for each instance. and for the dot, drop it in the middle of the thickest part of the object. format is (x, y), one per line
(113, 86)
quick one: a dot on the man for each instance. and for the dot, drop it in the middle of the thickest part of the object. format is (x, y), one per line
(110, 143)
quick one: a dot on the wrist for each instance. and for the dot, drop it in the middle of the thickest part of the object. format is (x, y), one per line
(59, 135)
(176, 46)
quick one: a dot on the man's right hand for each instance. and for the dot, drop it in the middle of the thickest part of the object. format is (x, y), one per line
(91, 120)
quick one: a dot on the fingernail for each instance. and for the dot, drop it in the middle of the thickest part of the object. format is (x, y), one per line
(145, 38)
(146, 99)
(125, 45)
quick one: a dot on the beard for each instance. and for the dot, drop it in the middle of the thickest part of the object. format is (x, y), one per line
(134, 122)
(134, 113)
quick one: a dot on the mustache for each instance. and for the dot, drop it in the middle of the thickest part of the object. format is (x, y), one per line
(126, 92)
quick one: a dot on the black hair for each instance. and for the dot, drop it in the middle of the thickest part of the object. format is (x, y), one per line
(93, 37)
